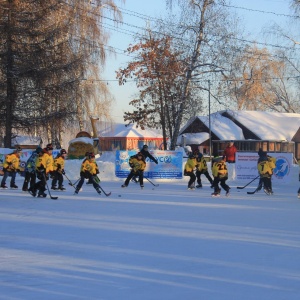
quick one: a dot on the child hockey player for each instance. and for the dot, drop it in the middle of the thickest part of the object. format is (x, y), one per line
(30, 176)
(265, 166)
(10, 168)
(201, 168)
(138, 165)
(145, 153)
(59, 170)
(220, 174)
(43, 168)
(89, 170)
(262, 155)
(189, 168)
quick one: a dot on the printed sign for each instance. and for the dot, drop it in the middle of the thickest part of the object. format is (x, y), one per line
(169, 164)
(246, 166)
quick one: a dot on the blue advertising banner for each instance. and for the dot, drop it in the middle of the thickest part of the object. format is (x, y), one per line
(169, 164)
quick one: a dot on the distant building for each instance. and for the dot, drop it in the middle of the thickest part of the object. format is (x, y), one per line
(250, 130)
(128, 137)
(26, 142)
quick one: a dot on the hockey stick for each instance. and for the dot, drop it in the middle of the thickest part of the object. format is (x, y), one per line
(70, 182)
(93, 178)
(151, 182)
(54, 198)
(251, 193)
(242, 187)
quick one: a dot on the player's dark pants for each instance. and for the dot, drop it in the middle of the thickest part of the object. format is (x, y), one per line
(206, 174)
(132, 174)
(58, 177)
(9, 174)
(30, 179)
(41, 184)
(192, 178)
(222, 182)
(81, 181)
(266, 182)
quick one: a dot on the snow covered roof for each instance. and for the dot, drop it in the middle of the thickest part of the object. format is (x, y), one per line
(122, 130)
(26, 140)
(222, 127)
(269, 125)
(192, 138)
(265, 125)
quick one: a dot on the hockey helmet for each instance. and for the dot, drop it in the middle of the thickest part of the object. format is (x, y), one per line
(49, 147)
(63, 151)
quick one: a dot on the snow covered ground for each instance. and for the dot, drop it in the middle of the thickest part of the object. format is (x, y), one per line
(160, 243)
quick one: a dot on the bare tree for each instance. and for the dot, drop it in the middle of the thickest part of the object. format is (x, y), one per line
(253, 73)
(205, 32)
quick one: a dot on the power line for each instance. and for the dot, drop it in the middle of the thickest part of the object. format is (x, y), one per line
(262, 11)
(180, 38)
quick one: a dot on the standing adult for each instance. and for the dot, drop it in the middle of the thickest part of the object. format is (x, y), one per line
(230, 152)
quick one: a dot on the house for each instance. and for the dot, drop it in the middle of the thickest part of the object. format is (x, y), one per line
(128, 137)
(250, 130)
(26, 142)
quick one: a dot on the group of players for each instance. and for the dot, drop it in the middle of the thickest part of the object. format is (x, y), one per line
(196, 162)
(41, 165)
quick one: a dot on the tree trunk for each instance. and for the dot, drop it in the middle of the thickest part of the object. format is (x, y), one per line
(10, 88)
(195, 56)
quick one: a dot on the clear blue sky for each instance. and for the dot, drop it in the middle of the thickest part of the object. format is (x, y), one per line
(251, 18)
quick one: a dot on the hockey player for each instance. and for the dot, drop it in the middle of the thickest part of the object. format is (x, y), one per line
(10, 168)
(189, 168)
(138, 165)
(201, 168)
(146, 154)
(59, 170)
(265, 166)
(216, 159)
(89, 170)
(43, 168)
(220, 174)
(30, 176)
